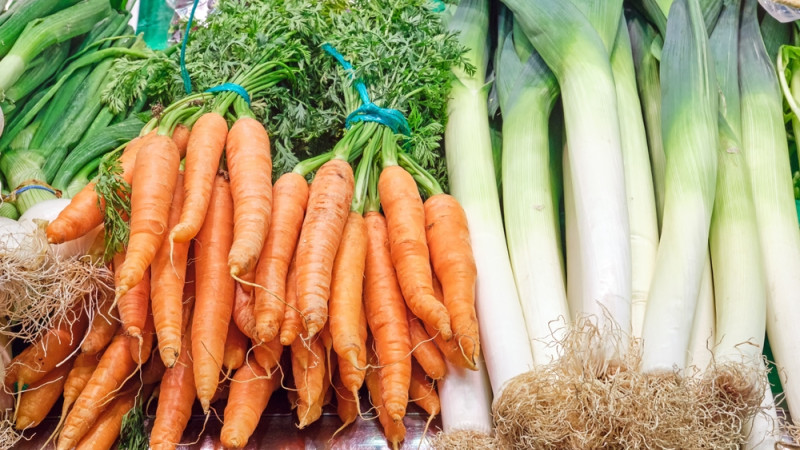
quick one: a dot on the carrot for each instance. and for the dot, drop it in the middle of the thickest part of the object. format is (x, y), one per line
(386, 316)
(168, 273)
(346, 289)
(82, 370)
(132, 306)
(243, 311)
(353, 375)
(103, 327)
(451, 350)
(85, 211)
(214, 303)
(308, 368)
(394, 430)
(292, 322)
(425, 351)
(453, 262)
(249, 162)
(328, 207)
(142, 347)
(153, 371)
(115, 367)
(235, 348)
(105, 431)
(175, 400)
(268, 355)
(346, 403)
(422, 392)
(405, 219)
(180, 136)
(203, 151)
(250, 392)
(290, 198)
(39, 398)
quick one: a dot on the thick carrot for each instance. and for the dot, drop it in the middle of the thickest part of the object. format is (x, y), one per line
(203, 151)
(453, 262)
(85, 211)
(451, 350)
(352, 376)
(249, 162)
(105, 431)
(328, 208)
(236, 344)
(214, 303)
(175, 400)
(394, 430)
(346, 289)
(422, 392)
(39, 398)
(346, 403)
(308, 368)
(132, 306)
(292, 323)
(115, 367)
(290, 198)
(405, 219)
(425, 351)
(386, 316)
(154, 177)
(250, 392)
(268, 354)
(168, 274)
(243, 311)
(180, 136)
(103, 327)
(142, 346)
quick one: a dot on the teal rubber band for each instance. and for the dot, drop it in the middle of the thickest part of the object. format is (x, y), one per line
(231, 87)
(438, 6)
(187, 81)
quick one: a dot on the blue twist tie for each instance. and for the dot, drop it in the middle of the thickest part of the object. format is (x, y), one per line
(187, 81)
(438, 6)
(32, 187)
(231, 87)
(368, 111)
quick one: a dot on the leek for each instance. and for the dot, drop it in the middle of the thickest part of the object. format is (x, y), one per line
(689, 108)
(20, 14)
(766, 153)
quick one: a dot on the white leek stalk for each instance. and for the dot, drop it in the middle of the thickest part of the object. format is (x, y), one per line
(701, 340)
(689, 108)
(466, 399)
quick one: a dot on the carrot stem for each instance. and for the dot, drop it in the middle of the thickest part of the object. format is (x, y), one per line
(425, 180)
(363, 173)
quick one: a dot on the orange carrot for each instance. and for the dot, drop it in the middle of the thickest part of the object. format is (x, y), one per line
(85, 211)
(290, 198)
(386, 316)
(180, 136)
(235, 348)
(153, 371)
(328, 208)
(425, 351)
(82, 370)
(405, 219)
(104, 326)
(250, 392)
(451, 256)
(154, 177)
(308, 368)
(141, 347)
(422, 392)
(133, 305)
(243, 311)
(105, 431)
(346, 403)
(394, 430)
(451, 350)
(268, 354)
(175, 400)
(292, 322)
(352, 376)
(168, 273)
(346, 289)
(115, 367)
(214, 303)
(249, 162)
(203, 151)
(40, 397)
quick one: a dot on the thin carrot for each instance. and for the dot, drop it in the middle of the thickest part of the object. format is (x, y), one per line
(394, 430)
(175, 400)
(154, 177)
(85, 211)
(243, 311)
(422, 392)
(405, 218)
(132, 306)
(116, 366)
(328, 208)
(39, 398)
(346, 403)
(141, 347)
(203, 151)
(250, 392)
(181, 138)
(352, 376)
(236, 344)
(308, 368)
(346, 289)
(247, 281)
(103, 327)
(168, 273)
(249, 162)
(453, 262)
(105, 431)
(214, 303)
(425, 351)
(82, 370)
(451, 350)
(292, 323)
(153, 371)
(268, 354)
(290, 198)
(386, 316)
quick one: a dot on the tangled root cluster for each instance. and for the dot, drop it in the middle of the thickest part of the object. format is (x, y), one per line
(38, 287)
(9, 437)
(462, 439)
(582, 401)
